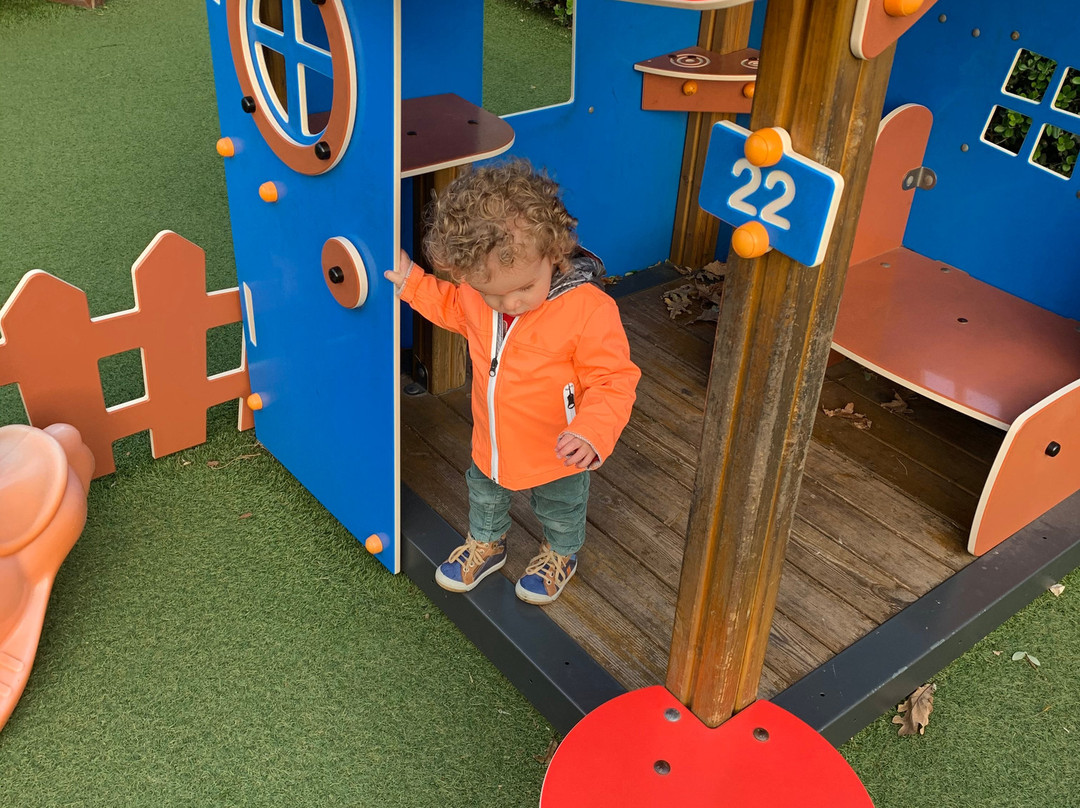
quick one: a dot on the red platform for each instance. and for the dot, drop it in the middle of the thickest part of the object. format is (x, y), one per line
(647, 749)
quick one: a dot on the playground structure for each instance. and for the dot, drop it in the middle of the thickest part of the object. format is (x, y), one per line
(336, 202)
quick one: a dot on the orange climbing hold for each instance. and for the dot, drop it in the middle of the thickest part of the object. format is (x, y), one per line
(750, 240)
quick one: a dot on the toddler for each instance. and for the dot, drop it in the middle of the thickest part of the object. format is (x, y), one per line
(552, 383)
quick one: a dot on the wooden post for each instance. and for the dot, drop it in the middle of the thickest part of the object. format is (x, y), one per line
(693, 239)
(443, 354)
(771, 348)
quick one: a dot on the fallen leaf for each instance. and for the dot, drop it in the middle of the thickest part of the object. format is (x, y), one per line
(549, 753)
(897, 405)
(245, 515)
(1057, 589)
(997, 653)
(917, 707)
(709, 314)
(847, 412)
(1032, 661)
(213, 463)
(678, 300)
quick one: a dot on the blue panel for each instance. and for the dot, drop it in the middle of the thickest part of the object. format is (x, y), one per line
(795, 199)
(619, 165)
(327, 375)
(994, 215)
(442, 48)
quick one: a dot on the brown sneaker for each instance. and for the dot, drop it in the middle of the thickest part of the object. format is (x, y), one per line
(471, 563)
(546, 576)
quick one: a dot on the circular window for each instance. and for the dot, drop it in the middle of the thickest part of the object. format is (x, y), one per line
(295, 63)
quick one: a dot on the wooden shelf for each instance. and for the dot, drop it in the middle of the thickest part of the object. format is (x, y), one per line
(953, 338)
(694, 79)
(442, 131)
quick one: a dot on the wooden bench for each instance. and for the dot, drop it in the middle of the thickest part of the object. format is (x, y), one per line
(939, 331)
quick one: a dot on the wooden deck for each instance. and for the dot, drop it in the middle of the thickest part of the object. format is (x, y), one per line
(882, 518)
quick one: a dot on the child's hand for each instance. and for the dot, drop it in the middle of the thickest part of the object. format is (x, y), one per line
(574, 451)
(397, 276)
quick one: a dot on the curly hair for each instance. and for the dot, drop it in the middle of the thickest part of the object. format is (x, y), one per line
(502, 209)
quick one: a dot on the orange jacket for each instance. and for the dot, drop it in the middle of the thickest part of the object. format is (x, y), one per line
(567, 360)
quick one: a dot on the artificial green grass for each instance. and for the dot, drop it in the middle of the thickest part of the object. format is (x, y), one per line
(1003, 734)
(216, 637)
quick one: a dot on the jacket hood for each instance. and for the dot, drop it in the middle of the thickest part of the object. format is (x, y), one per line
(585, 267)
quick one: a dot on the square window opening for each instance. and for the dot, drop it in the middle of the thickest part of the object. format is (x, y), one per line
(1067, 98)
(1030, 75)
(1007, 129)
(517, 79)
(122, 378)
(224, 344)
(1056, 150)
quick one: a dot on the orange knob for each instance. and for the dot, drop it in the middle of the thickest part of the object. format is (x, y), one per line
(748, 89)
(254, 401)
(268, 192)
(902, 8)
(373, 543)
(226, 147)
(764, 147)
(750, 240)
(689, 87)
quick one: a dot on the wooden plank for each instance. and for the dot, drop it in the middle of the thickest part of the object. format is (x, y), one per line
(952, 467)
(859, 583)
(834, 515)
(821, 613)
(793, 651)
(442, 354)
(946, 425)
(888, 462)
(771, 351)
(920, 526)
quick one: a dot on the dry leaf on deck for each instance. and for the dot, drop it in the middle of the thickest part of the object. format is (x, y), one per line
(917, 707)
(847, 412)
(897, 405)
(678, 300)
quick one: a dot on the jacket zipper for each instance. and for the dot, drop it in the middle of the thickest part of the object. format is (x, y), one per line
(496, 354)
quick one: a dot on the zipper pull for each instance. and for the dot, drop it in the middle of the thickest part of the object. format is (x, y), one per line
(494, 366)
(570, 399)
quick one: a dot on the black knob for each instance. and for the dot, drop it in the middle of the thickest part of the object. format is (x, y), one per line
(322, 150)
(247, 103)
(1053, 448)
(336, 275)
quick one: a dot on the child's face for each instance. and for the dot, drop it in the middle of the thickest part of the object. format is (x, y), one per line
(518, 288)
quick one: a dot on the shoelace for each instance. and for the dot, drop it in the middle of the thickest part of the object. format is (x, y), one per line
(473, 548)
(555, 563)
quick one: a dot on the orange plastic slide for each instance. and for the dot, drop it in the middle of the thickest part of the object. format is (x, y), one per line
(44, 478)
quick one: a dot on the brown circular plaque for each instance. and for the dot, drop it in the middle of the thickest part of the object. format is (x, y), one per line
(344, 272)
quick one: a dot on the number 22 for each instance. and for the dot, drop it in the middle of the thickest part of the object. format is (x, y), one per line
(770, 213)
